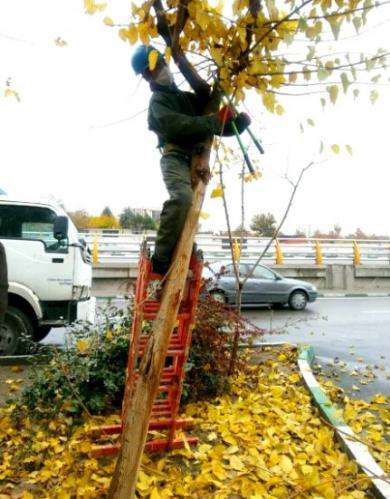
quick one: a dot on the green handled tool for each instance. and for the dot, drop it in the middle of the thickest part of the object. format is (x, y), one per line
(255, 141)
(243, 150)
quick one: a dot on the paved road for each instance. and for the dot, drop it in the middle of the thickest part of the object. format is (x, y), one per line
(348, 334)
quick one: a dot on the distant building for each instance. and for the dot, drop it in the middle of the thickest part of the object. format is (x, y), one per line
(155, 214)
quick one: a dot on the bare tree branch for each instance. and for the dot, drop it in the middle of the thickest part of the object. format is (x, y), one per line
(191, 75)
(277, 230)
(182, 16)
(335, 68)
(162, 23)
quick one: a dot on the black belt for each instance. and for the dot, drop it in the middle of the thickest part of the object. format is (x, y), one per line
(178, 154)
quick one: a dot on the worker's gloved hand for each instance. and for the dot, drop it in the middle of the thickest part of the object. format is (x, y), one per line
(242, 121)
(225, 114)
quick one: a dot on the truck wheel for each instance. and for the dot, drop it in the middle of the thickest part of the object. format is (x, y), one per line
(41, 332)
(15, 327)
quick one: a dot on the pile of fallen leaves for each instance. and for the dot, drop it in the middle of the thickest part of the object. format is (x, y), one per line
(369, 420)
(263, 439)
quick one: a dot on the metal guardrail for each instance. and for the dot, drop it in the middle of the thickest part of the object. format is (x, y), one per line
(122, 248)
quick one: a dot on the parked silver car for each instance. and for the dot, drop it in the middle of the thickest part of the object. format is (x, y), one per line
(265, 286)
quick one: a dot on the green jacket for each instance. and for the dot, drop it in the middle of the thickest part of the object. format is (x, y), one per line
(176, 118)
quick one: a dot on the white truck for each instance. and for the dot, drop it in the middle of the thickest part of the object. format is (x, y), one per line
(49, 272)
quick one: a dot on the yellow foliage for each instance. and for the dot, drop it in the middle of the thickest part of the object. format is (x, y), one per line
(263, 439)
(82, 345)
(221, 31)
(103, 222)
(91, 7)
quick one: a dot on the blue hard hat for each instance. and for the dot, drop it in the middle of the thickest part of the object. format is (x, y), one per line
(140, 59)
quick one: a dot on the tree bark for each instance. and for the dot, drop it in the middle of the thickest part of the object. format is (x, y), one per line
(136, 422)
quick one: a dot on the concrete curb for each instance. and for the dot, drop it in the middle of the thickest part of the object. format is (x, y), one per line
(325, 294)
(330, 294)
(358, 451)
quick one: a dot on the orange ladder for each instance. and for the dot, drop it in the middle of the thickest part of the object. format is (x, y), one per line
(165, 409)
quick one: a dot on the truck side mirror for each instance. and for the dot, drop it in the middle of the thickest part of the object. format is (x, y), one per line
(60, 228)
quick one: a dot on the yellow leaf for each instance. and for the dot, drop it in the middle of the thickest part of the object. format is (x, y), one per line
(349, 149)
(8, 92)
(155, 494)
(26, 495)
(109, 335)
(91, 7)
(276, 391)
(379, 399)
(204, 215)
(82, 345)
(202, 19)
(286, 464)
(168, 55)
(144, 481)
(60, 42)
(232, 449)
(217, 55)
(306, 469)
(108, 21)
(130, 34)
(236, 464)
(333, 91)
(152, 58)
(294, 378)
(217, 192)
(335, 148)
(373, 96)
(269, 101)
(143, 33)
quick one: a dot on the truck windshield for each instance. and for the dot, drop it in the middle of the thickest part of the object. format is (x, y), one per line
(29, 222)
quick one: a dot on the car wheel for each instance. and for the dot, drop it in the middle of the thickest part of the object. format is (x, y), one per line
(298, 300)
(41, 332)
(15, 328)
(219, 296)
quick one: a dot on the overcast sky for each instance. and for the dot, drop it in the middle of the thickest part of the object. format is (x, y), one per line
(70, 135)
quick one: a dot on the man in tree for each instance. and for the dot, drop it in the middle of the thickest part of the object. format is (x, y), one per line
(178, 120)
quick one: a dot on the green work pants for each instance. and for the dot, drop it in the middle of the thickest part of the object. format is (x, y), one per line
(176, 171)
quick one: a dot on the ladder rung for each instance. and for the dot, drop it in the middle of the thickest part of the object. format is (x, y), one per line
(157, 424)
(151, 446)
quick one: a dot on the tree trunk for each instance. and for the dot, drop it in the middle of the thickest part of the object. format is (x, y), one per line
(123, 483)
